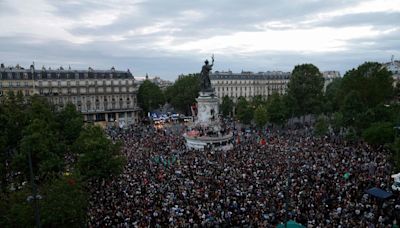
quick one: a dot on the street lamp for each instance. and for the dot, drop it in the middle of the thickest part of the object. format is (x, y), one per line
(34, 195)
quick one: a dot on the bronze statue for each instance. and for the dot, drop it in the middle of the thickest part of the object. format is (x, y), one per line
(205, 83)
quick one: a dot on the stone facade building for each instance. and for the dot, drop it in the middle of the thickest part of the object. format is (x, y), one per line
(329, 76)
(106, 96)
(394, 67)
(249, 84)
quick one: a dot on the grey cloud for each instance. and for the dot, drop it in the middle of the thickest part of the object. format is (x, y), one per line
(381, 19)
(221, 17)
(224, 17)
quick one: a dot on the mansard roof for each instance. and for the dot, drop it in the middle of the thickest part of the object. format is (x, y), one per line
(247, 75)
(9, 73)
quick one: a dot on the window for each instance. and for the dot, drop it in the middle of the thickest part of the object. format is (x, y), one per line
(100, 117)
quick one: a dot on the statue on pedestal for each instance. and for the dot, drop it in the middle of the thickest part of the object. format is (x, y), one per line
(205, 83)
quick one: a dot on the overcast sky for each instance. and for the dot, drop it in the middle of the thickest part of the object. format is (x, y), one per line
(168, 38)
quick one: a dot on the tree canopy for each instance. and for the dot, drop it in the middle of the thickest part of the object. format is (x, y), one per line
(277, 111)
(150, 96)
(244, 111)
(226, 106)
(260, 116)
(184, 92)
(33, 126)
(371, 81)
(305, 90)
(98, 156)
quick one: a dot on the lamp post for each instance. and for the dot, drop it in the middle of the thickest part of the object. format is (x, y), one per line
(35, 196)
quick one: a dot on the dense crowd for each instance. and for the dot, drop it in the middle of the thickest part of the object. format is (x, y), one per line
(166, 185)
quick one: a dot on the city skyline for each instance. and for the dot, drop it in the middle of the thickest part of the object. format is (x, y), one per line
(167, 39)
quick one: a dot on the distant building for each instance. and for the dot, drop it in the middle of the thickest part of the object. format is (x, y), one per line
(162, 84)
(329, 76)
(107, 96)
(394, 67)
(248, 84)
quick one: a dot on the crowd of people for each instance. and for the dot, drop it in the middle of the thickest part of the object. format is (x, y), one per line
(317, 182)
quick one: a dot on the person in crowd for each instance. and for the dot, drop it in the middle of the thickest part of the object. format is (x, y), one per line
(166, 185)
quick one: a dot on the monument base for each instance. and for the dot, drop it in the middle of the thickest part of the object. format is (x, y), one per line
(206, 132)
(222, 143)
(207, 104)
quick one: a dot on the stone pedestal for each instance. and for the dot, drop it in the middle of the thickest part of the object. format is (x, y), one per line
(207, 121)
(208, 109)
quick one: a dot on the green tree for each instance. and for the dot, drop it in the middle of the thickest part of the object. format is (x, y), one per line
(257, 101)
(260, 116)
(15, 119)
(184, 92)
(305, 90)
(331, 96)
(98, 156)
(3, 148)
(64, 203)
(396, 92)
(41, 109)
(226, 106)
(150, 96)
(276, 109)
(337, 122)
(396, 153)
(351, 108)
(321, 126)
(47, 152)
(351, 135)
(379, 133)
(244, 111)
(15, 210)
(70, 123)
(371, 81)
